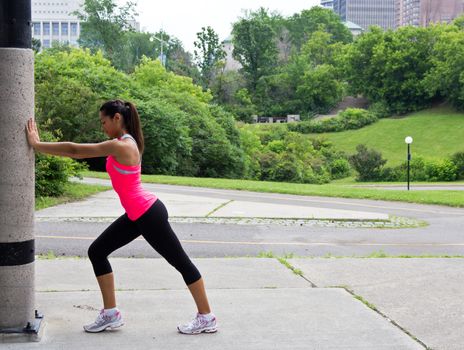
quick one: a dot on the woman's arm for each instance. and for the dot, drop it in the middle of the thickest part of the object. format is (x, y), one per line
(79, 150)
(71, 149)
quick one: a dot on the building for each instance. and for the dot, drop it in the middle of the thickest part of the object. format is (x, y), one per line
(328, 4)
(291, 118)
(231, 63)
(53, 21)
(353, 28)
(366, 13)
(424, 12)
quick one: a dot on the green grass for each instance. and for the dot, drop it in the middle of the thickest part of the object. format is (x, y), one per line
(342, 189)
(437, 133)
(73, 192)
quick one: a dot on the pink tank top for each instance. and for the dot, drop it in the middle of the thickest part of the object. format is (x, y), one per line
(127, 183)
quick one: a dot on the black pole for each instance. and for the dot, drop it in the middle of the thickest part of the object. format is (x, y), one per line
(15, 24)
(409, 160)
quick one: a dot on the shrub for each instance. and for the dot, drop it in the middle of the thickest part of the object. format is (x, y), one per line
(458, 160)
(379, 109)
(356, 118)
(422, 170)
(368, 163)
(339, 168)
(444, 170)
(351, 118)
(52, 173)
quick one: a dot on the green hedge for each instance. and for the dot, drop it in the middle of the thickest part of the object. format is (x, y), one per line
(369, 165)
(351, 118)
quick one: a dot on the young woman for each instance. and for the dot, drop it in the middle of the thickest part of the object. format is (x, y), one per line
(144, 215)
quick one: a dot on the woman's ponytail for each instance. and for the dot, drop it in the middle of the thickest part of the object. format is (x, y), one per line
(133, 125)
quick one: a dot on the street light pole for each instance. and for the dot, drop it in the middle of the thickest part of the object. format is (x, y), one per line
(18, 321)
(161, 41)
(408, 140)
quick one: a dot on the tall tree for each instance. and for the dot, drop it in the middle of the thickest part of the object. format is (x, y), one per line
(302, 25)
(104, 25)
(255, 46)
(208, 53)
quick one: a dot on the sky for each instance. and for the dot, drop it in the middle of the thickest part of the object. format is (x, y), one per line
(184, 18)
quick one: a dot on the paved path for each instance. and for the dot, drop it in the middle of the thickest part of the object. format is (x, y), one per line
(443, 235)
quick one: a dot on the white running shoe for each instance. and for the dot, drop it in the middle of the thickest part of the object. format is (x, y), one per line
(198, 325)
(104, 321)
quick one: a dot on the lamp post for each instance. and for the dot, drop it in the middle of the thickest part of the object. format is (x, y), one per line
(408, 140)
(161, 41)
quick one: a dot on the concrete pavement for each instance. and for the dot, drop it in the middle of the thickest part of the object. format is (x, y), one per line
(423, 295)
(259, 303)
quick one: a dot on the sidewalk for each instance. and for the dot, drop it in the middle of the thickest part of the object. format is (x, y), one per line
(259, 303)
(106, 204)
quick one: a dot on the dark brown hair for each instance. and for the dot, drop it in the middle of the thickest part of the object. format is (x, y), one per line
(130, 118)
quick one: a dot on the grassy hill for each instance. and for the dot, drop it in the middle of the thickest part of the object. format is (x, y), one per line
(437, 133)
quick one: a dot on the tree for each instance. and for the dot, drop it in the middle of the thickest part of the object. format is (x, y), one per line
(310, 82)
(104, 25)
(180, 61)
(208, 53)
(254, 40)
(390, 67)
(70, 86)
(303, 25)
(445, 77)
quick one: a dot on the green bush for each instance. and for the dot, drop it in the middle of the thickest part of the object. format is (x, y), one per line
(379, 109)
(339, 168)
(52, 173)
(356, 118)
(275, 154)
(458, 160)
(368, 163)
(444, 170)
(351, 118)
(422, 170)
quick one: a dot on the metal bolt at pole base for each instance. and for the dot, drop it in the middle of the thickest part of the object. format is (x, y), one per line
(18, 320)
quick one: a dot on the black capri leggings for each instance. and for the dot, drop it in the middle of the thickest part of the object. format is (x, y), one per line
(154, 226)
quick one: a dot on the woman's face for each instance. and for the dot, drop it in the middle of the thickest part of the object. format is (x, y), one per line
(111, 126)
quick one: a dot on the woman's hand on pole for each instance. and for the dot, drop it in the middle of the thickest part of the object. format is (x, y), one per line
(32, 133)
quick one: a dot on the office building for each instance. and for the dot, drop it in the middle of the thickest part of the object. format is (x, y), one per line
(366, 13)
(424, 12)
(54, 22)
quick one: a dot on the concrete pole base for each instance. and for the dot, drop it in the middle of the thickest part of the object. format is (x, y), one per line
(26, 335)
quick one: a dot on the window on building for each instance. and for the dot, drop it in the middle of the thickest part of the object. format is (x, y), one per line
(36, 28)
(46, 43)
(56, 28)
(74, 28)
(64, 28)
(46, 29)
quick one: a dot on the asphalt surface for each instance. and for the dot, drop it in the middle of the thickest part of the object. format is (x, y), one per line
(442, 235)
